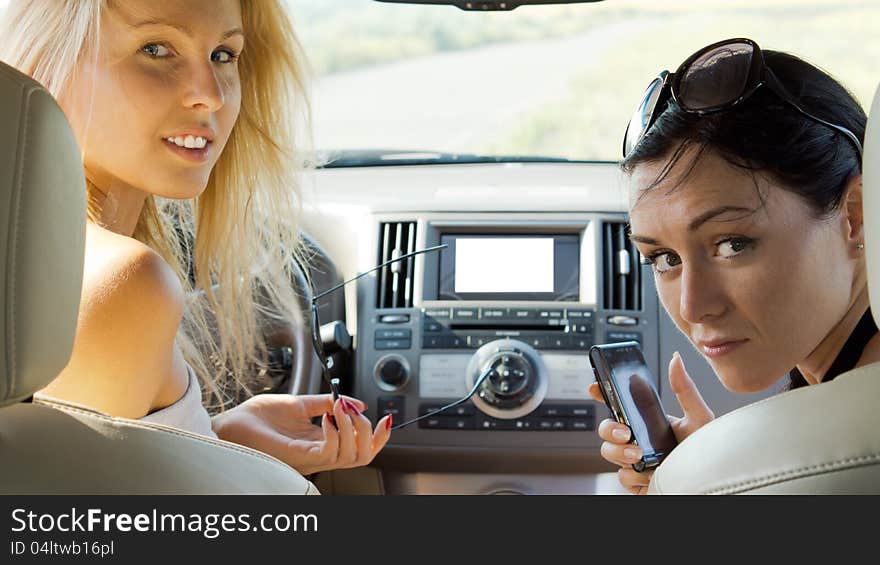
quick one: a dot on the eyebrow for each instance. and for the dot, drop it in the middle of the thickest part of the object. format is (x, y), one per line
(696, 222)
(184, 29)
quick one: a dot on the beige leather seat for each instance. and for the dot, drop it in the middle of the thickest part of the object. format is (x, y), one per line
(55, 447)
(814, 440)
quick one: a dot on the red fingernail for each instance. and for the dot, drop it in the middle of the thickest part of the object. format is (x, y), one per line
(349, 407)
(388, 423)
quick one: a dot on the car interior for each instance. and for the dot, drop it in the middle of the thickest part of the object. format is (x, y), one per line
(451, 183)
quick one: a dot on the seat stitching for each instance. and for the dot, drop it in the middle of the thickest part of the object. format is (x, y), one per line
(13, 248)
(168, 429)
(822, 468)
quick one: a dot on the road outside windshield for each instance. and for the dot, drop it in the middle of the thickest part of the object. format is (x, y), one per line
(539, 81)
(555, 81)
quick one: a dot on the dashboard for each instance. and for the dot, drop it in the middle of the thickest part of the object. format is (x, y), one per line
(534, 266)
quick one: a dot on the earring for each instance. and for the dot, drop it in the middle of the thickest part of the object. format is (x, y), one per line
(860, 246)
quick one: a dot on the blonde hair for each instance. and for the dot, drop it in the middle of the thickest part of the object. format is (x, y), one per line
(252, 197)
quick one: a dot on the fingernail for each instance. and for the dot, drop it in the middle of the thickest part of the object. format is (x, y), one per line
(631, 453)
(388, 423)
(620, 434)
(350, 408)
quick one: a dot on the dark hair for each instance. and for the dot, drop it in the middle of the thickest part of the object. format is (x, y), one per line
(763, 133)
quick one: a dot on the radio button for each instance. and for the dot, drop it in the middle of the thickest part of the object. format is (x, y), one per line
(523, 313)
(382, 344)
(460, 423)
(391, 405)
(551, 314)
(438, 313)
(464, 314)
(433, 342)
(493, 313)
(479, 340)
(457, 341)
(579, 315)
(495, 424)
(553, 411)
(581, 343)
(394, 334)
(430, 325)
(524, 424)
(558, 342)
(463, 410)
(394, 319)
(581, 411)
(433, 423)
(620, 320)
(581, 425)
(615, 337)
(426, 408)
(537, 341)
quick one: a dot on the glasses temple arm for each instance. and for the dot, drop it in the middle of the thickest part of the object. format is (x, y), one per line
(315, 297)
(473, 391)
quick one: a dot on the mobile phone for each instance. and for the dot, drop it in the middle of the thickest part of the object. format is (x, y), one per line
(628, 388)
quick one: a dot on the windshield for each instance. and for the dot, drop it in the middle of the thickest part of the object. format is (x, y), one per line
(539, 81)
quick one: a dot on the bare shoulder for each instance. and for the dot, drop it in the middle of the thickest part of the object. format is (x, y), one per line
(121, 272)
(124, 356)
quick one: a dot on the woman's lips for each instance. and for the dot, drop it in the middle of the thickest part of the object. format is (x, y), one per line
(715, 349)
(191, 155)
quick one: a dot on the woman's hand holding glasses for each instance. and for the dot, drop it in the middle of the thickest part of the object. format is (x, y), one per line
(281, 426)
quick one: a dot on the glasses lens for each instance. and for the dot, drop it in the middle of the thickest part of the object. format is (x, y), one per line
(642, 116)
(716, 78)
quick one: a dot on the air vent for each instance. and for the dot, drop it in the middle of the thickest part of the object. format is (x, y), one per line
(622, 268)
(396, 280)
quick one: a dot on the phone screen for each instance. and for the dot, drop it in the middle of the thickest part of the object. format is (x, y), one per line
(639, 399)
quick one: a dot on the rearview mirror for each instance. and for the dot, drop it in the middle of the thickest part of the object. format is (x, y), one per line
(488, 5)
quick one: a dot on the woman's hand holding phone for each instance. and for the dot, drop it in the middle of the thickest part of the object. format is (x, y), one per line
(616, 447)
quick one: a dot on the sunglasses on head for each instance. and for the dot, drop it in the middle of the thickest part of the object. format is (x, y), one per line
(714, 79)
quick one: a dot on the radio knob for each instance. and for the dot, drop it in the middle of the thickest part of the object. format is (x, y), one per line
(393, 370)
(510, 377)
(516, 378)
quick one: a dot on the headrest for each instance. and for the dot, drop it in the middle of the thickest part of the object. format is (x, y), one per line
(42, 208)
(871, 203)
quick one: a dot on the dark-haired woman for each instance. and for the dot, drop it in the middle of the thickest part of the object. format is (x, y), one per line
(747, 200)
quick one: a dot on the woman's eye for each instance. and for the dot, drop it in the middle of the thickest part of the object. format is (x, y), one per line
(663, 262)
(155, 50)
(224, 56)
(732, 247)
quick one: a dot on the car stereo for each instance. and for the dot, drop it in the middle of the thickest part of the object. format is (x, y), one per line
(519, 298)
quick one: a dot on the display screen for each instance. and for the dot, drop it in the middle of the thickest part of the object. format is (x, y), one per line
(639, 399)
(509, 267)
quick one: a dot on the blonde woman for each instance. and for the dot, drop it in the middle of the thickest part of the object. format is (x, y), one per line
(185, 113)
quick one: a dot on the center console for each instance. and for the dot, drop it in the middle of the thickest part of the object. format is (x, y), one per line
(516, 298)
